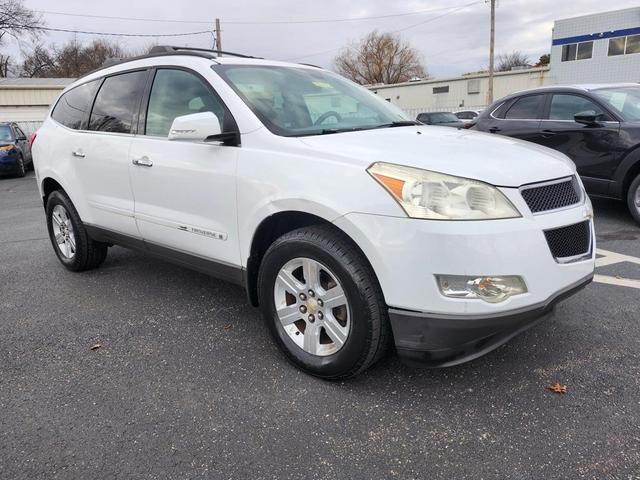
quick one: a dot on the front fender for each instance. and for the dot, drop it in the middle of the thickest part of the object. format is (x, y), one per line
(630, 164)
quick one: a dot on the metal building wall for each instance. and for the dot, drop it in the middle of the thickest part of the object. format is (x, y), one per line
(600, 68)
(416, 97)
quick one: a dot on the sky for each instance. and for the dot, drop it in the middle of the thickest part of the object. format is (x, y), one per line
(452, 36)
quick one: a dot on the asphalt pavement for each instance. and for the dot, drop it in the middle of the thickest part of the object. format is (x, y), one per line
(187, 383)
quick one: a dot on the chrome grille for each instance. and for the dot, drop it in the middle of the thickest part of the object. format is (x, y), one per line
(552, 195)
(570, 241)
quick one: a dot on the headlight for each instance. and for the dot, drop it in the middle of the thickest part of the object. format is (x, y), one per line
(436, 196)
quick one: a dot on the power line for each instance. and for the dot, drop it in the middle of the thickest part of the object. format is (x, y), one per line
(254, 22)
(65, 30)
(452, 10)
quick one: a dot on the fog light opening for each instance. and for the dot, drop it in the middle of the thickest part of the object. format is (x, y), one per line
(494, 289)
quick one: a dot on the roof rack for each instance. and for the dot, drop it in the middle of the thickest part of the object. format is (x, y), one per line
(160, 49)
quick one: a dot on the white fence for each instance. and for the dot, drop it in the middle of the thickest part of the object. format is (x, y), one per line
(413, 112)
(29, 127)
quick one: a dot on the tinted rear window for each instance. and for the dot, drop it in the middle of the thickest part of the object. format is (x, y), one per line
(526, 108)
(117, 102)
(73, 107)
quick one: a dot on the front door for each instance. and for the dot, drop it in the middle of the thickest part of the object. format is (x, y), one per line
(185, 191)
(593, 148)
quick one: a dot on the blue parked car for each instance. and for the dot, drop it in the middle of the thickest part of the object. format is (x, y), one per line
(15, 150)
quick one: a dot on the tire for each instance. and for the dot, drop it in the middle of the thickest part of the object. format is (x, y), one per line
(78, 251)
(21, 170)
(633, 199)
(355, 333)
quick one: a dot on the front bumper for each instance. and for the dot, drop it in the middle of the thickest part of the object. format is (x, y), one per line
(433, 329)
(429, 340)
(8, 162)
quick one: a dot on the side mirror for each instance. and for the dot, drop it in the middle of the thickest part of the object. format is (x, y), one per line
(195, 127)
(587, 117)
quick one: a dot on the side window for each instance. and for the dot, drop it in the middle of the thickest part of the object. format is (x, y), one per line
(526, 108)
(20, 134)
(501, 110)
(175, 93)
(73, 107)
(117, 102)
(564, 107)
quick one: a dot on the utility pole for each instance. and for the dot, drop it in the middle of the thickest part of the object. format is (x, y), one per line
(491, 47)
(218, 35)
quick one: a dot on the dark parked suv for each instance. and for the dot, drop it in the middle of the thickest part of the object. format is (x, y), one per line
(597, 126)
(15, 151)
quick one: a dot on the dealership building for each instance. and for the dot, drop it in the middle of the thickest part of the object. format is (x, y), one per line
(599, 48)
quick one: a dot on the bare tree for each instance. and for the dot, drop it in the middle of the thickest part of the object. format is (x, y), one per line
(507, 61)
(72, 59)
(39, 63)
(5, 65)
(18, 22)
(380, 58)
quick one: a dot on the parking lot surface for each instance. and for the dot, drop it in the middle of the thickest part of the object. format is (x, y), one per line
(187, 383)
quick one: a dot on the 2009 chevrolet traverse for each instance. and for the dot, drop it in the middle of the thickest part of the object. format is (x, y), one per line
(350, 225)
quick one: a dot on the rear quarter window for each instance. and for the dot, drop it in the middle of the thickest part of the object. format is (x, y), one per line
(72, 109)
(117, 102)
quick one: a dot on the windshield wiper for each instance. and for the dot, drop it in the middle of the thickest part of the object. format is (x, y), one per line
(327, 131)
(399, 123)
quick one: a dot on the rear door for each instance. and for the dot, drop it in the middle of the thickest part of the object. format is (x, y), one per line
(102, 154)
(519, 118)
(593, 148)
(185, 190)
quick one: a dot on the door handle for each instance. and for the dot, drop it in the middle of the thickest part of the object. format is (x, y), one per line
(78, 153)
(142, 162)
(494, 129)
(547, 133)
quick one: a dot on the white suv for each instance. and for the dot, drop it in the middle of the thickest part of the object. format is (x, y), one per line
(350, 225)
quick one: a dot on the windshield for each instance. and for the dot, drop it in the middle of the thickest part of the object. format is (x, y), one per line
(307, 101)
(623, 100)
(5, 133)
(443, 118)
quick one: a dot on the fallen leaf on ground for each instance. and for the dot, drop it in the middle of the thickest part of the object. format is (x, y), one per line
(557, 388)
(96, 346)
(227, 327)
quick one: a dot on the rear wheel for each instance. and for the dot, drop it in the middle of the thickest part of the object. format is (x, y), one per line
(633, 199)
(322, 303)
(70, 240)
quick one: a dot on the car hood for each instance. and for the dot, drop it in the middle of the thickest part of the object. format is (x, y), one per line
(500, 161)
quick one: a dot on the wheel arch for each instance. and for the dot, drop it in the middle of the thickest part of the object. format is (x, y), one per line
(628, 169)
(273, 227)
(49, 185)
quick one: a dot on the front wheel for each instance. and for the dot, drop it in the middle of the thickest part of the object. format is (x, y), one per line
(322, 303)
(21, 170)
(633, 199)
(70, 240)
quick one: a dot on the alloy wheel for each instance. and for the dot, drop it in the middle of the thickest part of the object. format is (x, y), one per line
(312, 306)
(63, 231)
